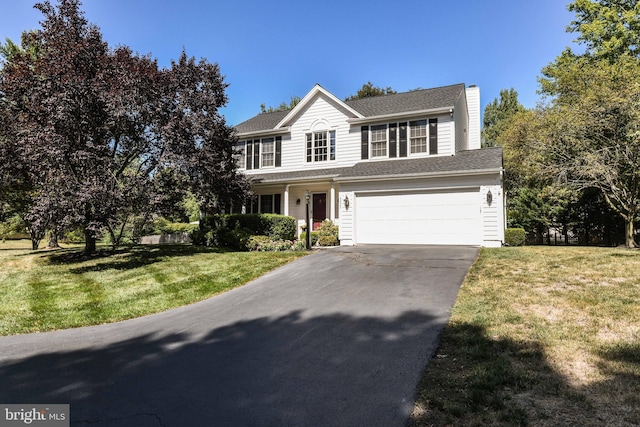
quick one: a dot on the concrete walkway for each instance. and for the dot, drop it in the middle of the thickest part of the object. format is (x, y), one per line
(339, 338)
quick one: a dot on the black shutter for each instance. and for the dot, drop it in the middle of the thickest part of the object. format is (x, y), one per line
(278, 151)
(433, 136)
(249, 161)
(392, 139)
(364, 130)
(256, 154)
(403, 139)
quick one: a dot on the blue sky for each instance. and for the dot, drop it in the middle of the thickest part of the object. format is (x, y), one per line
(270, 51)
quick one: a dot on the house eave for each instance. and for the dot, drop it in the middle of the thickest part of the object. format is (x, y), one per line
(406, 114)
(294, 180)
(308, 97)
(268, 132)
(443, 174)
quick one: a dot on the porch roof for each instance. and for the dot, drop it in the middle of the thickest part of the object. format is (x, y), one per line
(485, 160)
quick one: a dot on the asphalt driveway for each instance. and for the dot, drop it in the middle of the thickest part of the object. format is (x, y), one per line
(339, 337)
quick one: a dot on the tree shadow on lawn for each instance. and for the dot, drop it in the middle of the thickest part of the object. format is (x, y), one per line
(502, 382)
(124, 258)
(287, 370)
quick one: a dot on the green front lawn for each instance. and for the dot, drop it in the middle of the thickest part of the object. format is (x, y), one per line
(543, 336)
(46, 290)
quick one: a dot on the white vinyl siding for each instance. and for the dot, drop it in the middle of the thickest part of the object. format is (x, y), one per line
(347, 143)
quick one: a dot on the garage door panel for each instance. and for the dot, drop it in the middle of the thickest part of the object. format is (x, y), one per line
(419, 218)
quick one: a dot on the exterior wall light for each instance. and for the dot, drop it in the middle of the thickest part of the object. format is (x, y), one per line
(346, 202)
(298, 202)
(489, 197)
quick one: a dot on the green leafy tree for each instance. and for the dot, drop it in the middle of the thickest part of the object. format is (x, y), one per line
(102, 135)
(591, 137)
(497, 114)
(368, 90)
(607, 28)
(591, 132)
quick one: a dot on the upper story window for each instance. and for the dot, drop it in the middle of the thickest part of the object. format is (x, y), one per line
(268, 152)
(260, 153)
(321, 146)
(418, 136)
(239, 154)
(379, 141)
(400, 139)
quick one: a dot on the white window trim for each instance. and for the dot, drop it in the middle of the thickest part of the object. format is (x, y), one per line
(272, 152)
(371, 142)
(328, 133)
(241, 146)
(409, 138)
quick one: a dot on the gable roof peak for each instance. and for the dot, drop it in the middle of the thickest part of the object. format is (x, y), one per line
(317, 89)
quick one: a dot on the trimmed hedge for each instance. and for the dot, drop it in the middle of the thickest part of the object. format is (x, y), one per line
(514, 236)
(235, 230)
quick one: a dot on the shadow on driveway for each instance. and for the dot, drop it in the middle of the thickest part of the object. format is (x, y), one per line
(339, 337)
(265, 371)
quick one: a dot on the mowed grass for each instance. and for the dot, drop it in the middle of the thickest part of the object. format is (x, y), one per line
(541, 336)
(47, 290)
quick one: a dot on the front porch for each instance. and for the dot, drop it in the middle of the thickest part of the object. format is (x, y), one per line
(291, 199)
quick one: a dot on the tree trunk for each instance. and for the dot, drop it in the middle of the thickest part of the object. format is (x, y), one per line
(89, 242)
(36, 237)
(53, 240)
(628, 232)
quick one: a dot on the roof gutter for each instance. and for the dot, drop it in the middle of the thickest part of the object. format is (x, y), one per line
(293, 180)
(268, 132)
(420, 175)
(440, 110)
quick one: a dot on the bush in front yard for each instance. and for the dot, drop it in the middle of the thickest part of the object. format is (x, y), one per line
(514, 236)
(257, 242)
(328, 234)
(279, 227)
(237, 239)
(223, 230)
(314, 237)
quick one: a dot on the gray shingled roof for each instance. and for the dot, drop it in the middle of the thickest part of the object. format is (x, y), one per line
(263, 121)
(417, 100)
(469, 160)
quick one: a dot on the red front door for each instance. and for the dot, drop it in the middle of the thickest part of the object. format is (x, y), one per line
(319, 209)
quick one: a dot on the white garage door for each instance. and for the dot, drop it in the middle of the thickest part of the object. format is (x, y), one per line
(437, 218)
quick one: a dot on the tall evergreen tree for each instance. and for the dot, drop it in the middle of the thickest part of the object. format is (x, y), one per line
(497, 115)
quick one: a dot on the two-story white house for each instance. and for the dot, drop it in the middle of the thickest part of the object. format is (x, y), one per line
(405, 168)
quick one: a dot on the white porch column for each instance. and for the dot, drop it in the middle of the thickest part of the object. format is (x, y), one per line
(286, 200)
(332, 214)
